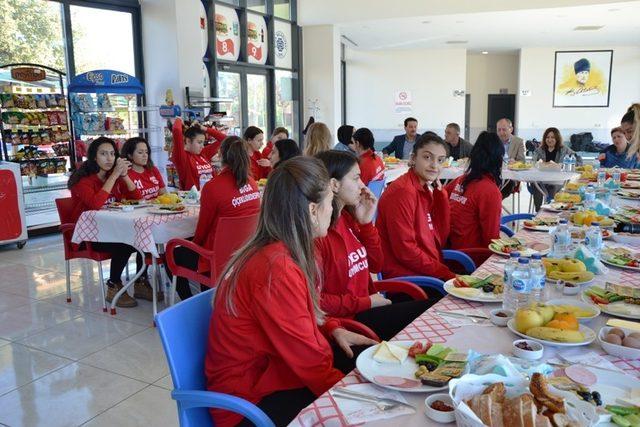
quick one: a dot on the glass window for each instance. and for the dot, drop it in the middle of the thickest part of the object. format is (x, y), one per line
(282, 9)
(31, 31)
(257, 5)
(257, 101)
(233, 2)
(286, 107)
(229, 87)
(102, 39)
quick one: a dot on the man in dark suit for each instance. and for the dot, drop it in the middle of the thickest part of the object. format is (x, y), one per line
(402, 145)
(458, 147)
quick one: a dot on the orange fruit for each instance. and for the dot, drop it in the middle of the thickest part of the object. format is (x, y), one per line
(564, 321)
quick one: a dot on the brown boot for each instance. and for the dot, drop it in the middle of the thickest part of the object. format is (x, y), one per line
(142, 289)
(125, 299)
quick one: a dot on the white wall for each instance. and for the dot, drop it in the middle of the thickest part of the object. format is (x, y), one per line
(487, 74)
(373, 78)
(192, 45)
(321, 74)
(535, 112)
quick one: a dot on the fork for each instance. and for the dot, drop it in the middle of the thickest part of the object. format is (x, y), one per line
(381, 403)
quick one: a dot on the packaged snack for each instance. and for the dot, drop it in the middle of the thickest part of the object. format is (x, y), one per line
(6, 100)
(15, 138)
(61, 165)
(24, 169)
(31, 102)
(35, 138)
(24, 138)
(45, 138)
(62, 102)
(53, 118)
(65, 136)
(62, 117)
(25, 119)
(104, 103)
(51, 101)
(41, 101)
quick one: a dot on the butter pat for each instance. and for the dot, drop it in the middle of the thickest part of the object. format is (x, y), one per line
(619, 323)
(390, 353)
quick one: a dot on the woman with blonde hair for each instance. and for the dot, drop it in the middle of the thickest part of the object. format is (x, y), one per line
(317, 139)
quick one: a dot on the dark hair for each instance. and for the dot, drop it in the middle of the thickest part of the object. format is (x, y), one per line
(338, 164)
(345, 132)
(287, 149)
(485, 159)
(409, 119)
(90, 166)
(429, 138)
(235, 155)
(251, 132)
(193, 131)
(284, 217)
(278, 130)
(617, 129)
(365, 137)
(628, 117)
(130, 146)
(454, 126)
(556, 135)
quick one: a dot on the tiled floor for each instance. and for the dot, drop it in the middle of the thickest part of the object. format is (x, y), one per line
(71, 364)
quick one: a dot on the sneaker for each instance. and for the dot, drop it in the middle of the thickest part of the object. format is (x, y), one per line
(124, 301)
(142, 289)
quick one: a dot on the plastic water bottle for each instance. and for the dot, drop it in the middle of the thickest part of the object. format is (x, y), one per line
(593, 239)
(572, 163)
(566, 163)
(538, 280)
(509, 267)
(595, 165)
(616, 177)
(602, 178)
(561, 239)
(517, 295)
(590, 197)
(204, 178)
(505, 158)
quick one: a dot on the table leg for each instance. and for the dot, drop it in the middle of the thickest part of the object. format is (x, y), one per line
(154, 287)
(127, 285)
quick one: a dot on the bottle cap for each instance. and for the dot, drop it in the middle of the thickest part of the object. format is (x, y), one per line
(563, 221)
(523, 261)
(515, 254)
(536, 256)
(595, 223)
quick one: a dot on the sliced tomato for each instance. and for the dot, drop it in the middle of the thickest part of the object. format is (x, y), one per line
(460, 284)
(598, 300)
(419, 348)
(632, 263)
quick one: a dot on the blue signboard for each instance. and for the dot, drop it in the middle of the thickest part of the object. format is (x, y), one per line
(105, 81)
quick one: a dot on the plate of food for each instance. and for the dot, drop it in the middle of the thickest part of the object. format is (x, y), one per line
(167, 199)
(561, 206)
(586, 217)
(570, 270)
(633, 185)
(561, 331)
(615, 299)
(579, 233)
(566, 197)
(471, 288)
(627, 214)
(541, 223)
(519, 166)
(628, 194)
(127, 204)
(411, 366)
(507, 245)
(621, 257)
(583, 311)
(573, 187)
(167, 209)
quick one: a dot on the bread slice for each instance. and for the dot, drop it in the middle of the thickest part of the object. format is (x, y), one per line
(542, 421)
(496, 415)
(529, 411)
(496, 391)
(512, 412)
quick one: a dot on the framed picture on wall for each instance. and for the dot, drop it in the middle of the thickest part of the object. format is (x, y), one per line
(582, 78)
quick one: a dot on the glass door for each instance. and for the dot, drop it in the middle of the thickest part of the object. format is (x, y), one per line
(230, 86)
(257, 104)
(248, 89)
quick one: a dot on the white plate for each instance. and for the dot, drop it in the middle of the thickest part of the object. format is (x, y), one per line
(156, 210)
(480, 297)
(539, 227)
(620, 266)
(528, 252)
(589, 335)
(606, 308)
(588, 282)
(612, 386)
(549, 207)
(618, 350)
(370, 369)
(583, 305)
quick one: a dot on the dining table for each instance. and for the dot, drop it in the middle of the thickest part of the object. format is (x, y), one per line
(481, 337)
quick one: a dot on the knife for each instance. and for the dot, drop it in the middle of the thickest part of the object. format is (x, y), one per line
(454, 314)
(337, 391)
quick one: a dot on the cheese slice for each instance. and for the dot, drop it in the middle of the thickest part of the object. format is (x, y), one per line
(390, 353)
(619, 323)
(465, 292)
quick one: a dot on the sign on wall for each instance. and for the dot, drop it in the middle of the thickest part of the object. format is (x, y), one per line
(282, 44)
(402, 102)
(257, 46)
(582, 78)
(227, 33)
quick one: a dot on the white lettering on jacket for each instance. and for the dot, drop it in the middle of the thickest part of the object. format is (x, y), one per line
(358, 261)
(458, 197)
(429, 222)
(244, 198)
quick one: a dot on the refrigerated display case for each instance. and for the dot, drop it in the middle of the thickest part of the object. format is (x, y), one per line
(35, 134)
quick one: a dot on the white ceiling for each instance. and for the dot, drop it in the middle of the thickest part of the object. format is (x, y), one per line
(502, 31)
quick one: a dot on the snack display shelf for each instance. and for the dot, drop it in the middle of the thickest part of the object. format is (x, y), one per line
(40, 206)
(34, 110)
(119, 132)
(11, 126)
(41, 188)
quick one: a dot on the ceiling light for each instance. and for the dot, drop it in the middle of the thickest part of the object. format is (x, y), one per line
(456, 42)
(588, 27)
(484, 52)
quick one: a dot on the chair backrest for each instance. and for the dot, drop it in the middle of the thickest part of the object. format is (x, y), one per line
(184, 331)
(231, 234)
(377, 187)
(65, 207)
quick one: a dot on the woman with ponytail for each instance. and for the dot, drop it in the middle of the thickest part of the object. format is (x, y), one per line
(231, 193)
(631, 125)
(371, 165)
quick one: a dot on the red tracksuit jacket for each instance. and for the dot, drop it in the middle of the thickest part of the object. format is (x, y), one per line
(273, 342)
(475, 214)
(371, 168)
(347, 254)
(413, 223)
(267, 150)
(221, 197)
(149, 182)
(257, 171)
(88, 194)
(188, 165)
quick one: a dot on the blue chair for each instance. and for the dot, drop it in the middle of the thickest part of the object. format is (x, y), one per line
(376, 187)
(513, 218)
(424, 282)
(184, 330)
(461, 258)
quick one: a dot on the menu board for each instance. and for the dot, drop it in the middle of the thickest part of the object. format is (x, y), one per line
(257, 46)
(227, 33)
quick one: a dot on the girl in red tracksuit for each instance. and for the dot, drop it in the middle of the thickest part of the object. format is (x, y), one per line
(102, 179)
(413, 215)
(277, 134)
(351, 251)
(231, 193)
(189, 155)
(260, 166)
(475, 198)
(269, 341)
(371, 165)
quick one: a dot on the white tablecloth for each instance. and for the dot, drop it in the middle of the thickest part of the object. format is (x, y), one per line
(532, 175)
(138, 228)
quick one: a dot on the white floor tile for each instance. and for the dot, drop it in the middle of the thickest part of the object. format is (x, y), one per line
(69, 396)
(82, 336)
(9, 301)
(20, 365)
(4, 342)
(152, 406)
(140, 357)
(165, 382)
(35, 282)
(20, 322)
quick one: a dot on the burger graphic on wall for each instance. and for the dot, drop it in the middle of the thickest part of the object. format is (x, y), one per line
(222, 27)
(252, 31)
